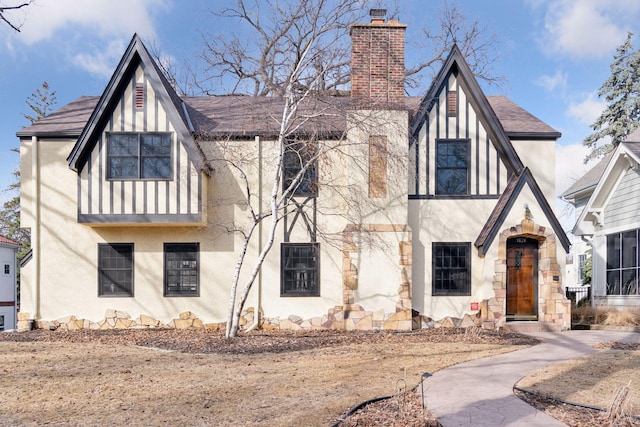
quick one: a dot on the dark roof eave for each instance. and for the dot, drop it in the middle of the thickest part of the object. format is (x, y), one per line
(336, 134)
(533, 135)
(49, 134)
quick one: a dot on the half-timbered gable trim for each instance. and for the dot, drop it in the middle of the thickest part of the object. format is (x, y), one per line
(136, 159)
(458, 146)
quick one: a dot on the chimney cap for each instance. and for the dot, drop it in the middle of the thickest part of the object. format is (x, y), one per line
(377, 14)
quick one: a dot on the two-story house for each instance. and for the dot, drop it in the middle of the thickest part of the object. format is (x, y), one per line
(607, 212)
(416, 209)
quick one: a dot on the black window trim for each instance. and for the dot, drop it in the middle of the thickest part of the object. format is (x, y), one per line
(131, 294)
(165, 251)
(440, 293)
(313, 293)
(467, 141)
(139, 157)
(310, 174)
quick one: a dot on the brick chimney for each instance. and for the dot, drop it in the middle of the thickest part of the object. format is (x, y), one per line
(377, 63)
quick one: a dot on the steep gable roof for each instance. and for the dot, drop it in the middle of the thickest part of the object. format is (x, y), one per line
(455, 62)
(589, 180)
(625, 156)
(135, 54)
(505, 204)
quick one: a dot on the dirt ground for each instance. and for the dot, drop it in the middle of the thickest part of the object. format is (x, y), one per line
(168, 377)
(130, 377)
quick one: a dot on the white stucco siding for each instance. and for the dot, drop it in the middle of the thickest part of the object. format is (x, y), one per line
(540, 157)
(460, 221)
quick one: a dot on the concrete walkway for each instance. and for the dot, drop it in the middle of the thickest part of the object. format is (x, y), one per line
(480, 392)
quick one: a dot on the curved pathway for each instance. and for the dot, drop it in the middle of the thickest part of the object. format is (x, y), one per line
(480, 392)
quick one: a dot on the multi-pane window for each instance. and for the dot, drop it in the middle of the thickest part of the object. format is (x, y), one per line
(181, 267)
(451, 268)
(452, 166)
(582, 259)
(7, 269)
(139, 156)
(622, 263)
(297, 156)
(115, 269)
(300, 263)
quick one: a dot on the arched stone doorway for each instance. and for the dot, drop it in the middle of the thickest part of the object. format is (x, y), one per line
(549, 301)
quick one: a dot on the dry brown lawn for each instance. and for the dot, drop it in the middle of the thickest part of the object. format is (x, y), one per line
(285, 380)
(592, 380)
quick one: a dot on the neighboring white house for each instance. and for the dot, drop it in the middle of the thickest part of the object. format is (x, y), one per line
(607, 210)
(8, 286)
(419, 208)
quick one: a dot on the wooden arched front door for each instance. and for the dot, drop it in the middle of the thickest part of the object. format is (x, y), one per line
(522, 279)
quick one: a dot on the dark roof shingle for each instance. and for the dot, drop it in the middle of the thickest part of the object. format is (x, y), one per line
(246, 115)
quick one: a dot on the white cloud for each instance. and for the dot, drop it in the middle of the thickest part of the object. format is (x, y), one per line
(588, 28)
(552, 83)
(588, 110)
(570, 165)
(101, 18)
(100, 62)
(569, 168)
(90, 35)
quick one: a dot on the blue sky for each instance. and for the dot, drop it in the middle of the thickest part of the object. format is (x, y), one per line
(555, 54)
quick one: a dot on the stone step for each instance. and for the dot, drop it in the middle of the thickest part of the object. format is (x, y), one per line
(531, 326)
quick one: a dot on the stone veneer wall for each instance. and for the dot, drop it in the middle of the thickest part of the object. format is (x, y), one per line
(553, 306)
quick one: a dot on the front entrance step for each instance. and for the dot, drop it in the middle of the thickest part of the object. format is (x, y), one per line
(531, 326)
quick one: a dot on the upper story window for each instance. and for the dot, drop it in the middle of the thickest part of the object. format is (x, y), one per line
(622, 263)
(452, 166)
(139, 156)
(297, 155)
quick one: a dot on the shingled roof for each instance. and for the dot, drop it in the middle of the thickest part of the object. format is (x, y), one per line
(246, 115)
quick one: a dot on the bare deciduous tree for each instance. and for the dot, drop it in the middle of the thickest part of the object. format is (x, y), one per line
(298, 52)
(252, 62)
(477, 44)
(300, 47)
(8, 19)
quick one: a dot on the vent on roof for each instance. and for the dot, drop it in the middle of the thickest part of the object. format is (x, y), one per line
(139, 97)
(452, 103)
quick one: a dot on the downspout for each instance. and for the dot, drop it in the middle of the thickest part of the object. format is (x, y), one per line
(258, 292)
(35, 232)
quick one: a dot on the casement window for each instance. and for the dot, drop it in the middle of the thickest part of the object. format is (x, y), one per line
(451, 268)
(139, 156)
(297, 155)
(622, 263)
(452, 167)
(300, 263)
(181, 269)
(7, 269)
(115, 270)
